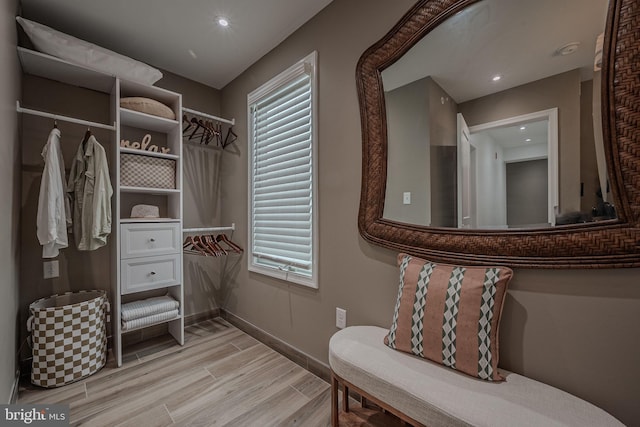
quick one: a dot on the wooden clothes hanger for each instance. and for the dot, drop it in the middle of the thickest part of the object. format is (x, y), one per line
(213, 244)
(190, 246)
(235, 248)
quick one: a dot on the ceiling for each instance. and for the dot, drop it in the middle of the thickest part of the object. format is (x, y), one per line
(180, 36)
(519, 135)
(516, 39)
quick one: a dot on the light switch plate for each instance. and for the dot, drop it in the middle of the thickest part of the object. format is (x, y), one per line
(51, 269)
(406, 198)
(341, 318)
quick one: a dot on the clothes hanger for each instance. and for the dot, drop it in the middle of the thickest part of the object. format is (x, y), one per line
(191, 247)
(218, 134)
(235, 248)
(230, 138)
(211, 242)
(203, 245)
(55, 124)
(205, 137)
(87, 135)
(185, 119)
(198, 125)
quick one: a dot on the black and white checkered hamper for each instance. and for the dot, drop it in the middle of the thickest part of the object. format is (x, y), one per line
(69, 336)
(138, 170)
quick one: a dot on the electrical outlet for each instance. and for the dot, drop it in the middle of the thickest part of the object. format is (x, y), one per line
(51, 269)
(341, 318)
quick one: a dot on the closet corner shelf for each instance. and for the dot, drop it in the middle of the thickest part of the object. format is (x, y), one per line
(231, 122)
(140, 120)
(141, 220)
(47, 66)
(149, 153)
(232, 227)
(148, 190)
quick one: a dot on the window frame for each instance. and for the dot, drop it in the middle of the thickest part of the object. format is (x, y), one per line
(306, 65)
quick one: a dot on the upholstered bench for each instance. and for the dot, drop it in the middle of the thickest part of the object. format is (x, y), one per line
(425, 393)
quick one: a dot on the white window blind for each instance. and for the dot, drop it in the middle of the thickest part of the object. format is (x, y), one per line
(281, 116)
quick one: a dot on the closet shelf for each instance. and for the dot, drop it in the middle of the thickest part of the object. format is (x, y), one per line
(146, 121)
(39, 113)
(47, 66)
(149, 153)
(142, 220)
(148, 190)
(209, 116)
(152, 324)
(205, 229)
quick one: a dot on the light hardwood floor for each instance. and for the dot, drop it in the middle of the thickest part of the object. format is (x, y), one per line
(221, 377)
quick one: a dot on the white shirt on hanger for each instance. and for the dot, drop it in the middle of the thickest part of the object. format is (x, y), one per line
(53, 206)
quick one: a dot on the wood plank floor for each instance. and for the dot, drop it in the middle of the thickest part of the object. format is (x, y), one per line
(220, 377)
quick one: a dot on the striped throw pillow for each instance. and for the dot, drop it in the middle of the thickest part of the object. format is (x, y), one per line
(450, 314)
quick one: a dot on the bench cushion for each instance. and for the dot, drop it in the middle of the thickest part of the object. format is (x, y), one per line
(435, 395)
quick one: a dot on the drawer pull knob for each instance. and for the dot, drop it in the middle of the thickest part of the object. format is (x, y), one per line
(153, 273)
(152, 239)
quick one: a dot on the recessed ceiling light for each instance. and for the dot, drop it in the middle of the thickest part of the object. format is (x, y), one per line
(496, 77)
(193, 54)
(223, 22)
(528, 139)
(523, 127)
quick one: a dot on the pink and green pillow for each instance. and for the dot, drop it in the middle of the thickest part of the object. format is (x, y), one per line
(450, 314)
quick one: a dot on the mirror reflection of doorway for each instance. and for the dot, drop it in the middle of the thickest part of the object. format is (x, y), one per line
(507, 173)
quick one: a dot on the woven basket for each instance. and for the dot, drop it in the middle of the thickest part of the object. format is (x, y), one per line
(146, 171)
(69, 337)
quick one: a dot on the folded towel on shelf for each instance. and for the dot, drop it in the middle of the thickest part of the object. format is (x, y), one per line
(147, 307)
(149, 320)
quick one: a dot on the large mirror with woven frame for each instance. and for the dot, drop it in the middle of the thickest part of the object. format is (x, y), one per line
(600, 238)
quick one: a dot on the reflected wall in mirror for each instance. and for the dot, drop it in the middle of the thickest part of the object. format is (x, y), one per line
(459, 205)
(496, 130)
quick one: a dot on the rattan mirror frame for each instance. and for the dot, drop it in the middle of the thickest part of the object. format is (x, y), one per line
(606, 244)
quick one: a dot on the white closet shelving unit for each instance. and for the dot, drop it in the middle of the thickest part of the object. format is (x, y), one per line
(146, 253)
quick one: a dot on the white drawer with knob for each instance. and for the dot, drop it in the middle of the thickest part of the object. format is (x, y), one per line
(148, 239)
(143, 274)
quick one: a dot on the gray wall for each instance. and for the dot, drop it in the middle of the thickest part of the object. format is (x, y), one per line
(527, 197)
(561, 91)
(443, 134)
(408, 156)
(10, 191)
(574, 329)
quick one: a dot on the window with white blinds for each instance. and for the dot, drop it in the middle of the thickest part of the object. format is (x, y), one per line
(282, 237)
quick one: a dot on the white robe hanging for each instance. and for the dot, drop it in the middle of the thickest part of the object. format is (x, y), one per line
(53, 206)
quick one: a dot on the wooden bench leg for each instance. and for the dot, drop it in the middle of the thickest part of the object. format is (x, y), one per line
(345, 398)
(334, 401)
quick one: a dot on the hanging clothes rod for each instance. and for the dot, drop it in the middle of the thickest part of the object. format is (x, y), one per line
(199, 230)
(20, 109)
(209, 116)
